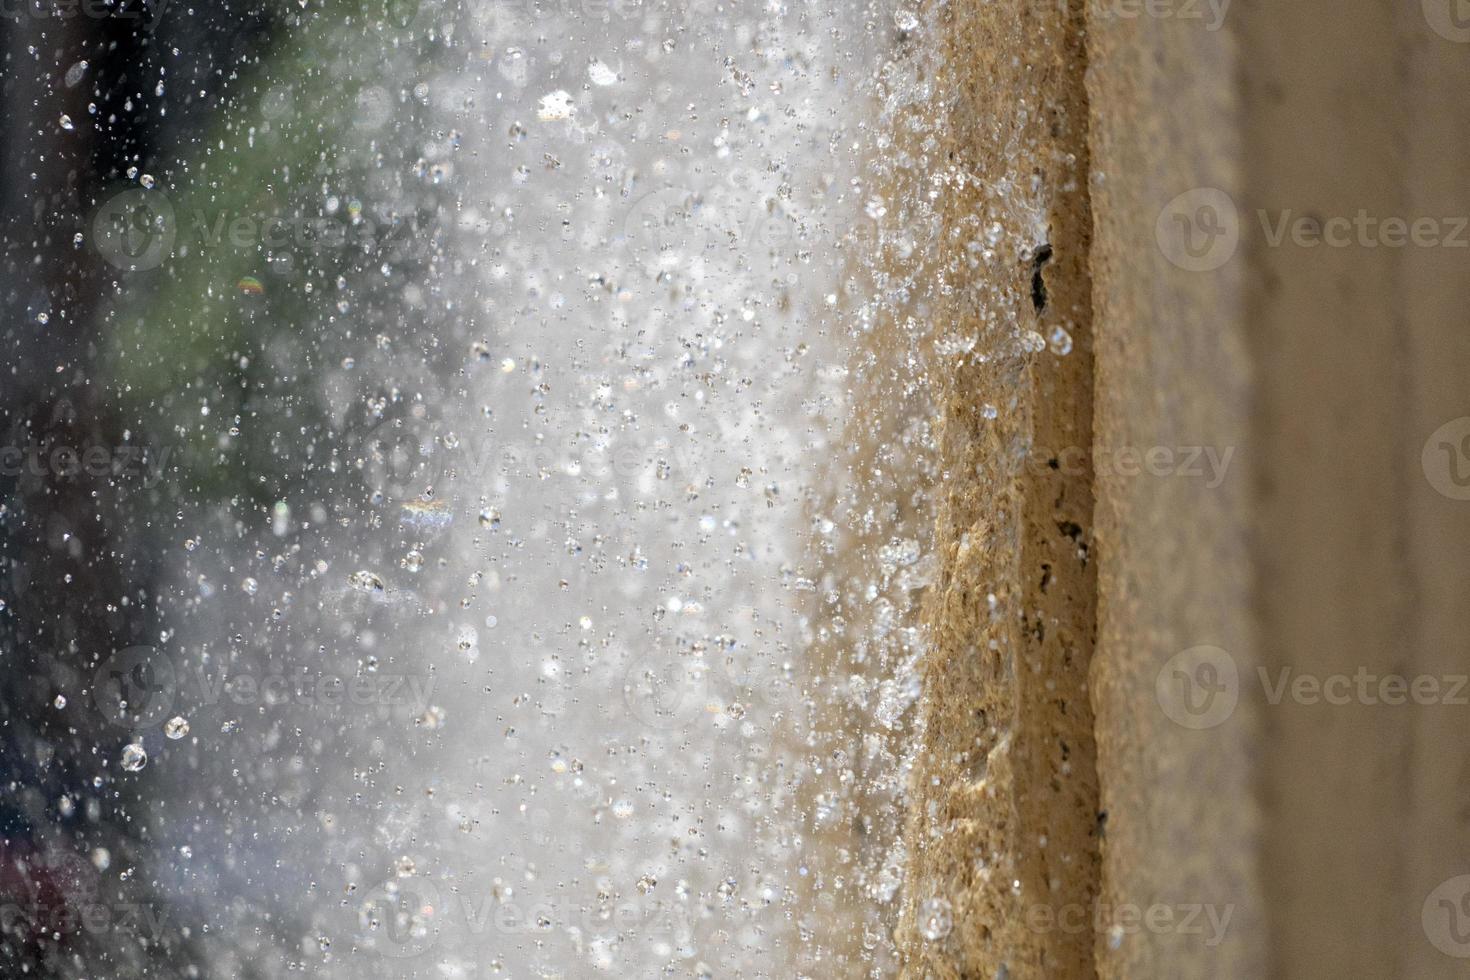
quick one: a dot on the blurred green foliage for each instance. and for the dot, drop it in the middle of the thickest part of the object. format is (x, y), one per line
(300, 218)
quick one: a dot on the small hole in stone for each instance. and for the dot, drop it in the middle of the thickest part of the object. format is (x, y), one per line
(1038, 282)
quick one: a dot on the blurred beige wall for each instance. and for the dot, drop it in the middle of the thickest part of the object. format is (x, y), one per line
(1245, 301)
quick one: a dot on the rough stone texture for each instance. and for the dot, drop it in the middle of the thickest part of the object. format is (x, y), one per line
(1288, 522)
(1003, 805)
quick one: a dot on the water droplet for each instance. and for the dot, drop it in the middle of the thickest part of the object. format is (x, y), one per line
(601, 74)
(176, 728)
(133, 757)
(555, 106)
(66, 122)
(60, 701)
(1061, 341)
(951, 345)
(936, 919)
(365, 581)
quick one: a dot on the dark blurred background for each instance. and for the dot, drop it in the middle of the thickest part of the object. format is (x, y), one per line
(131, 383)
